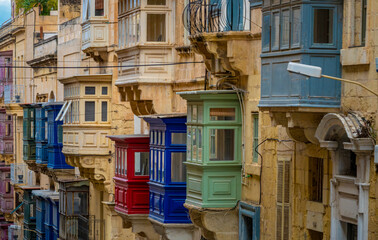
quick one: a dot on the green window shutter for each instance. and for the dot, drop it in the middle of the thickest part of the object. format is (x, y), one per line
(283, 199)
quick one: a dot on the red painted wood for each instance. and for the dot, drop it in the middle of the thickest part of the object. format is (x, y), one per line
(131, 192)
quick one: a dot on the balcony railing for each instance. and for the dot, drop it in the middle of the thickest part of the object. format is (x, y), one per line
(83, 228)
(14, 94)
(18, 173)
(207, 16)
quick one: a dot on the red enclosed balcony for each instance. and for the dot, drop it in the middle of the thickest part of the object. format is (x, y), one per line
(131, 183)
(6, 135)
(131, 173)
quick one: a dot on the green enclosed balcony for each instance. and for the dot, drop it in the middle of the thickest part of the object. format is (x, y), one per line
(214, 133)
(29, 152)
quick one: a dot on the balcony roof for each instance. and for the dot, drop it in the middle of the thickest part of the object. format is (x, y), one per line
(135, 138)
(87, 78)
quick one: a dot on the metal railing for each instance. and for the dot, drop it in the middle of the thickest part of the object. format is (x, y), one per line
(14, 94)
(206, 16)
(18, 173)
(84, 228)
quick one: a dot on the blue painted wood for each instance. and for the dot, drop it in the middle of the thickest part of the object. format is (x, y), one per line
(29, 215)
(40, 135)
(40, 218)
(56, 159)
(167, 198)
(249, 214)
(279, 88)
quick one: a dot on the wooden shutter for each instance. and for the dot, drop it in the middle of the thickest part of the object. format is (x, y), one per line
(283, 199)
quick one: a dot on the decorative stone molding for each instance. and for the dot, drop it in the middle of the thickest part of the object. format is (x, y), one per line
(175, 231)
(140, 226)
(215, 224)
(349, 198)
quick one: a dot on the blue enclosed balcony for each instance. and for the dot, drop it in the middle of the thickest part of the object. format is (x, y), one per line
(56, 159)
(40, 134)
(167, 169)
(308, 32)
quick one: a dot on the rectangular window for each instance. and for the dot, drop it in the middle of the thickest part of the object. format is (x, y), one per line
(89, 111)
(104, 90)
(315, 175)
(255, 136)
(60, 133)
(275, 30)
(323, 25)
(352, 230)
(189, 145)
(178, 168)
(155, 2)
(104, 111)
(359, 22)
(222, 144)
(178, 138)
(141, 163)
(32, 129)
(99, 8)
(222, 114)
(7, 187)
(295, 27)
(285, 28)
(90, 90)
(266, 33)
(46, 130)
(156, 28)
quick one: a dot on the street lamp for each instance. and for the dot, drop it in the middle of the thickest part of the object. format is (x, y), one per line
(313, 71)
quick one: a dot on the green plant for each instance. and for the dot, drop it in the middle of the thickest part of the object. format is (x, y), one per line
(45, 5)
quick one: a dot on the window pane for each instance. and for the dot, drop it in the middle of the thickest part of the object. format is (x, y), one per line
(296, 27)
(194, 113)
(90, 90)
(178, 138)
(104, 111)
(323, 26)
(222, 144)
(199, 138)
(189, 145)
(99, 7)
(266, 32)
(156, 27)
(90, 111)
(60, 134)
(104, 90)
(178, 168)
(141, 163)
(80, 203)
(275, 30)
(194, 144)
(222, 114)
(285, 28)
(155, 2)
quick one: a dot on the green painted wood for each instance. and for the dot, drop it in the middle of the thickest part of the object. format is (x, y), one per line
(212, 183)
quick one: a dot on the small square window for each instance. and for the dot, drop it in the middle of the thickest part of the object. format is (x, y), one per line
(90, 90)
(178, 138)
(141, 163)
(104, 90)
(155, 2)
(222, 144)
(178, 168)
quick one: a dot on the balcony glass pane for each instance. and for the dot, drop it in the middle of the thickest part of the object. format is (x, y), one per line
(194, 113)
(141, 163)
(222, 114)
(296, 27)
(89, 111)
(189, 145)
(222, 144)
(81, 203)
(178, 138)
(178, 168)
(90, 90)
(323, 25)
(104, 111)
(199, 137)
(156, 28)
(285, 28)
(104, 90)
(99, 8)
(275, 30)
(155, 2)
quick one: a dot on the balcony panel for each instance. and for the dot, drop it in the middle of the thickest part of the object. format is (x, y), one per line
(18, 173)
(14, 94)
(95, 39)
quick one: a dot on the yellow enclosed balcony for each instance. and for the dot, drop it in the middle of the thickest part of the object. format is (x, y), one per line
(95, 29)
(86, 117)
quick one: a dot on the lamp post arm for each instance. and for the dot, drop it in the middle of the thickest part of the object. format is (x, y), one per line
(352, 82)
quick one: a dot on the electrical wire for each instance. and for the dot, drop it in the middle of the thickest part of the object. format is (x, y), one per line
(112, 66)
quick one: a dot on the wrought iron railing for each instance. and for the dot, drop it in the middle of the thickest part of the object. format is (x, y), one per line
(205, 16)
(14, 94)
(84, 228)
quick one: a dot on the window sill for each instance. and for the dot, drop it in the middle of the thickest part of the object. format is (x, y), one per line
(253, 169)
(354, 56)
